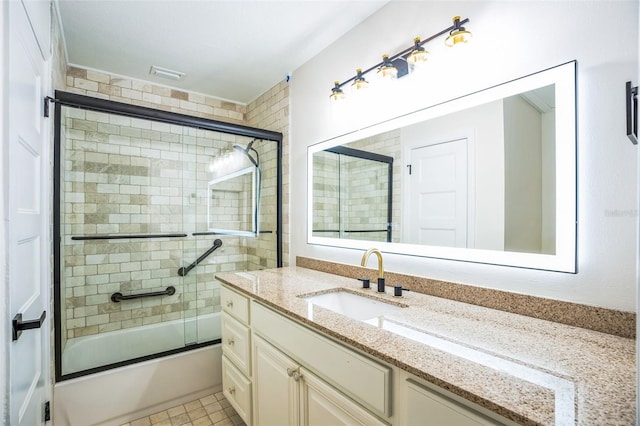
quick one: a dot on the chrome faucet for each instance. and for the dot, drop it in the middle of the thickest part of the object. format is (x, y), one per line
(365, 257)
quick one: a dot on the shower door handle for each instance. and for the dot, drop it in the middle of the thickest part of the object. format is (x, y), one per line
(18, 326)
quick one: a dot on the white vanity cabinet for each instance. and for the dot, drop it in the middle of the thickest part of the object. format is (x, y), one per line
(236, 352)
(423, 404)
(277, 398)
(286, 393)
(277, 371)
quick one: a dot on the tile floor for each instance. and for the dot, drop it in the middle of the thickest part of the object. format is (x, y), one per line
(210, 410)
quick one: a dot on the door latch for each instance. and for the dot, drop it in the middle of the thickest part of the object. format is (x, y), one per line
(18, 325)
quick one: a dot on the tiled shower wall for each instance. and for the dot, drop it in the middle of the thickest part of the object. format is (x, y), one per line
(118, 195)
(388, 144)
(364, 187)
(270, 111)
(130, 176)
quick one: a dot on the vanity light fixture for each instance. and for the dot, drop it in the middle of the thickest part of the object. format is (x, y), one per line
(387, 70)
(336, 93)
(396, 66)
(359, 82)
(458, 35)
(418, 55)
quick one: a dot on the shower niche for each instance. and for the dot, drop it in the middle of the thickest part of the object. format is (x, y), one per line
(148, 206)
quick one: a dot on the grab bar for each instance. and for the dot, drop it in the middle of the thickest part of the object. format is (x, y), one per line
(117, 297)
(185, 270)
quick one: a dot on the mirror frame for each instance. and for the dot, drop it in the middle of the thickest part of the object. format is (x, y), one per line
(564, 260)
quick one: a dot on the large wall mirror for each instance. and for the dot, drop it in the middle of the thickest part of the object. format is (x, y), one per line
(489, 177)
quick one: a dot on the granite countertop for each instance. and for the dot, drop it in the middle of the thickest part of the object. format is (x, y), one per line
(528, 370)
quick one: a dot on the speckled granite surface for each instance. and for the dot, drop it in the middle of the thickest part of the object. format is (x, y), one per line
(529, 370)
(608, 321)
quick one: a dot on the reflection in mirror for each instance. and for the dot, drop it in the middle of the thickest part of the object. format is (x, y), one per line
(489, 173)
(233, 202)
(352, 194)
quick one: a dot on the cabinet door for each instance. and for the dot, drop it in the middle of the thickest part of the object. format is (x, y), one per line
(322, 405)
(276, 392)
(425, 407)
(237, 389)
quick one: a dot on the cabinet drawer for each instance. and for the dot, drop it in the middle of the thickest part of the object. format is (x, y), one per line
(323, 405)
(235, 304)
(427, 407)
(237, 389)
(359, 377)
(235, 343)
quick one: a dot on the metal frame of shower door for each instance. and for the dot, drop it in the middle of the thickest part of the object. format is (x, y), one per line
(372, 156)
(112, 107)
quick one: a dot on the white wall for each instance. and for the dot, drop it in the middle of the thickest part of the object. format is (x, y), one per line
(4, 281)
(511, 39)
(548, 182)
(523, 176)
(483, 126)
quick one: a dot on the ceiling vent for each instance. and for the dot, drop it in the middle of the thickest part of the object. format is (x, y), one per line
(165, 73)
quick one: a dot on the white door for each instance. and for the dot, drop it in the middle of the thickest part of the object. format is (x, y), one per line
(438, 214)
(27, 221)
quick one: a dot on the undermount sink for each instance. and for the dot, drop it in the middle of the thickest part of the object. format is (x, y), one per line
(352, 305)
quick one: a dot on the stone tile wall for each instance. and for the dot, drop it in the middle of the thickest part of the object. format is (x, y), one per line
(133, 176)
(136, 92)
(352, 193)
(270, 111)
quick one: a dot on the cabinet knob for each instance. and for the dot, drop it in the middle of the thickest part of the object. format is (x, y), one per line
(295, 373)
(231, 390)
(229, 303)
(230, 341)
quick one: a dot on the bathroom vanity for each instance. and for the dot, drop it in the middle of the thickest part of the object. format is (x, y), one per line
(306, 347)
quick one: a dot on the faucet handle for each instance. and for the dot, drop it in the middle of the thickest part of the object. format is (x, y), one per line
(397, 290)
(365, 282)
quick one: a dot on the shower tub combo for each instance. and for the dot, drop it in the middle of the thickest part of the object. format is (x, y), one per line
(151, 205)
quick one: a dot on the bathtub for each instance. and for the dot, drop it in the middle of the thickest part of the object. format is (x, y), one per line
(87, 352)
(119, 395)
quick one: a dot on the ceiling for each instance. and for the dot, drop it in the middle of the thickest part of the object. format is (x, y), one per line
(234, 50)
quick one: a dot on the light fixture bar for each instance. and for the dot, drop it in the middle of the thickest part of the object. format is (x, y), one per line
(406, 51)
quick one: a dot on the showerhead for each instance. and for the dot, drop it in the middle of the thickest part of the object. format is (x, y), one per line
(245, 151)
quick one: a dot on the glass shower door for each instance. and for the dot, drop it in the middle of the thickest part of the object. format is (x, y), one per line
(122, 239)
(143, 229)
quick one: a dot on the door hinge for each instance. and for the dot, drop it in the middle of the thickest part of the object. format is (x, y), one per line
(47, 411)
(409, 166)
(47, 101)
